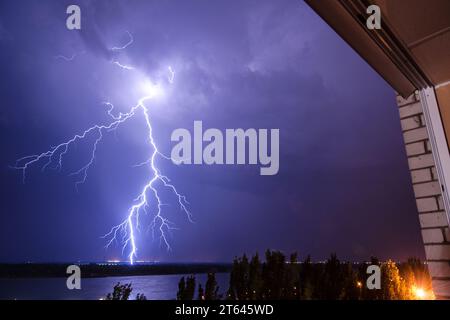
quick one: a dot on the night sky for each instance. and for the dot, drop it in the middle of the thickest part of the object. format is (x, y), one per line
(343, 184)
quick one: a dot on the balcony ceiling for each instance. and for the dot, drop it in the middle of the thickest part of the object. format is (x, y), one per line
(412, 49)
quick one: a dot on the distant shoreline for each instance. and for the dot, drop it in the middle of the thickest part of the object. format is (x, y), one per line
(108, 269)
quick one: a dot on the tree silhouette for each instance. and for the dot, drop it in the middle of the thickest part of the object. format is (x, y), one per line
(392, 285)
(275, 278)
(211, 288)
(120, 292)
(201, 293)
(255, 278)
(186, 288)
(181, 289)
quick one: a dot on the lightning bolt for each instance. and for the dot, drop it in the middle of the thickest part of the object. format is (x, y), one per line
(171, 75)
(71, 58)
(127, 227)
(125, 232)
(126, 45)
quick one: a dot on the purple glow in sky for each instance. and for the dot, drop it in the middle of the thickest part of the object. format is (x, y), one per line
(343, 184)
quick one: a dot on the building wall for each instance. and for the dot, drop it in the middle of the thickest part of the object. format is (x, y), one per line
(443, 97)
(427, 190)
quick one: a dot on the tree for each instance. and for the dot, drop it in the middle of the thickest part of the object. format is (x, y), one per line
(255, 278)
(306, 279)
(407, 274)
(242, 279)
(239, 279)
(120, 292)
(330, 280)
(352, 286)
(141, 297)
(211, 288)
(273, 274)
(292, 278)
(181, 289)
(392, 285)
(231, 293)
(190, 288)
(186, 288)
(201, 293)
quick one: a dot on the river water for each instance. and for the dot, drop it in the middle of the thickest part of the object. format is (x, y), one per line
(155, 287)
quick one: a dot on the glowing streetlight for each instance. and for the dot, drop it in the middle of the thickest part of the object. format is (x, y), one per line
(422, 294)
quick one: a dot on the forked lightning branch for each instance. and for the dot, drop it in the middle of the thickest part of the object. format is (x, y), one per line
(125, 232)
(220, 149)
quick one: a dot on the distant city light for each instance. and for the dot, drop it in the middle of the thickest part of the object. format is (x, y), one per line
(113, 261)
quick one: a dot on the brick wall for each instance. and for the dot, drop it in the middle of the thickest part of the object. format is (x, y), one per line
(427, 190)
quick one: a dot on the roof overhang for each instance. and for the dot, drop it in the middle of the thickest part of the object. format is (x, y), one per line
(410, 51)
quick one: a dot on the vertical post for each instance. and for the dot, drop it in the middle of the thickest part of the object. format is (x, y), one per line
(427, 160)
